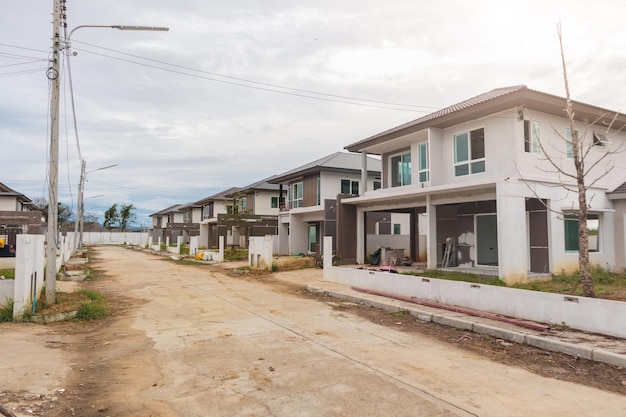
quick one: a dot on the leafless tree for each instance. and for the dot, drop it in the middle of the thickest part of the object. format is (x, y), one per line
(581, 178)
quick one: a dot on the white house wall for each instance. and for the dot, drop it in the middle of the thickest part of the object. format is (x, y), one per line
(263, 203)
(8, 204)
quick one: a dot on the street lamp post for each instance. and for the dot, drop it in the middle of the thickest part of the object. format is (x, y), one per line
(58, 14)
(80, 206)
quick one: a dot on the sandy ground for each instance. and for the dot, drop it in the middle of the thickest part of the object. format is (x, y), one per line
(189, 341)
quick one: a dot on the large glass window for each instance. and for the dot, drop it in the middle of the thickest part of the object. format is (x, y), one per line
(401, 169)
(318, 191)
(296, 195)
(532, 136)
(422, 159)
(274, 202)
(469, 152)
(349, 187)
(571, 232)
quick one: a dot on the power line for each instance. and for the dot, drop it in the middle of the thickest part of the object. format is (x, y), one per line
(259, 85)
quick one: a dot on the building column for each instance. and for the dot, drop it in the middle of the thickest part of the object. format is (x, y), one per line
(431, 234)
(513, 245)
(360, 236)
(363, 187)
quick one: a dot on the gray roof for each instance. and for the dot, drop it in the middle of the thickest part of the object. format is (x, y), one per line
(491, 102)
(6, 191)
(221, 196)
(256, 186)
(338, 162)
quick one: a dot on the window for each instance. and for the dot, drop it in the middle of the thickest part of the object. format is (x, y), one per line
(397, 229)
(207, 211)
(569, 150)
(600, 139)
(349, 187)
(377, 184)
(469, 152)
(274, 202)
(187, 217)
(571, 232)
(318, 191)
(242, 204)
(296, 195)
(531, 137)
(401, 170)
(229, 209)
(422, 165)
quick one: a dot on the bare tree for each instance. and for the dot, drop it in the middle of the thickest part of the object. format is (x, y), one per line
(581, 178)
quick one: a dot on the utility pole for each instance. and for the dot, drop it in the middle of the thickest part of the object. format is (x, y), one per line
(53, 176)
(78, 224)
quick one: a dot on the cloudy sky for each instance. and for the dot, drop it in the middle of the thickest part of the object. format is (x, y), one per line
(237, 91)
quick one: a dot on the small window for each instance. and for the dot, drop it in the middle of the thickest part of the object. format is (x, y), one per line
(532, 137)
(377, 185)
(397, 229)
(274, 202)
(318, 191)
(600, 139)
(569, 150)
(349, 187)
(296, 195)
(571, 232)
(422, 160)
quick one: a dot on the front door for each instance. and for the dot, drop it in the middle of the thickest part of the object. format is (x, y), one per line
(487, 239)
(313, 238)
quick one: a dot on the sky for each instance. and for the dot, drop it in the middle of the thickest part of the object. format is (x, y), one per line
(241, 90)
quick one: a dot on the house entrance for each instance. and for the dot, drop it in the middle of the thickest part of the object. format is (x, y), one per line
(487, 239)
(313, 229)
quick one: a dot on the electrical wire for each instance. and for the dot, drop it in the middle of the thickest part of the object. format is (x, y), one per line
(256, 84)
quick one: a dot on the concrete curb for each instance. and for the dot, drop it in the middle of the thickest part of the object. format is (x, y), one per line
(452, 320)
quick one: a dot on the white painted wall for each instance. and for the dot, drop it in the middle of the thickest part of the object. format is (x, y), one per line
(29, 272)
(587, 314)
(260, 252)
(116, 238)
(263, 202)
(8, 203)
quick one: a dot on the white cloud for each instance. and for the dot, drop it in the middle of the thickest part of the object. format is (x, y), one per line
(181, 132)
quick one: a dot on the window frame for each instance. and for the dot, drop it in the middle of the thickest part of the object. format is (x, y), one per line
(475, 165)
(274, 202)
(570, 231)
(532, 136)
(297, 194)
(405, 167)
(423, 171)
(352, 185)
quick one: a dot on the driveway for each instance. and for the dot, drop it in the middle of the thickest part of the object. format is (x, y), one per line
(191, 341)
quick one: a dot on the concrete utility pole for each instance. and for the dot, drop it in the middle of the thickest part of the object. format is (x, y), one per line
(53, 176)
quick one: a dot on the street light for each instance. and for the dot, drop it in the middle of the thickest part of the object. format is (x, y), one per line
(53, 73)
(80, 206)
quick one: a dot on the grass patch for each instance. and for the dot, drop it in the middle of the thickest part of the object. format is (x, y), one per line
(8, 273)
(6, 313)
(236, 254)
(184, 249)
(459, 276)
(607, 285)
(293, 263)
(95, 308)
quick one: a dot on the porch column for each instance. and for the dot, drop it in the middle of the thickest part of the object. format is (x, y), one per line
(360, 236)
(513, 245)
(431, 234)
(363, 187)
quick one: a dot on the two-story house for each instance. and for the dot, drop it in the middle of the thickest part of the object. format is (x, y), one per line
(174, 221)
(211, 207)
(479, 181)
(253, 211)
(311, 209)
(18, 215)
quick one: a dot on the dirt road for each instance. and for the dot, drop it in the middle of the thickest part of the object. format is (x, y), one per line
(192, 341)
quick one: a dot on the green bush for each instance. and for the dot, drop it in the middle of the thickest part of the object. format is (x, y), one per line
(6, 312)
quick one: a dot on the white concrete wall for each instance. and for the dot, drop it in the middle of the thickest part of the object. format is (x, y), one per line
(263, 202)
(8, 203)
(389, 241)
(29, 272)
(260, 252)
(7, 290)
(587, 314)
(116, 238)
